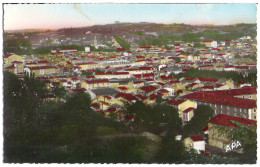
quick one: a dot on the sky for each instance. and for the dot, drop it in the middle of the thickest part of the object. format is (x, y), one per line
(55, 16)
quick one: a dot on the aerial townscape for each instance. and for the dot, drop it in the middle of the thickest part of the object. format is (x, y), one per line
(131, 92)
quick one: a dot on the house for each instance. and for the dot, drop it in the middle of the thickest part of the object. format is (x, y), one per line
(41, 70)
(10, 57)
(94, 83)
(219, 126)
(195, 142)
(210, 43)
(227, 102)
(185, 108)
(87, 65)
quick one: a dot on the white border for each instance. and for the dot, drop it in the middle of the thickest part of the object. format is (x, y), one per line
(114, 1)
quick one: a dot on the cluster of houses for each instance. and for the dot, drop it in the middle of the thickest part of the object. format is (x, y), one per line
(144, 73)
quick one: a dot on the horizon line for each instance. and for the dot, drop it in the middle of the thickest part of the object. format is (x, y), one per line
(128, 23)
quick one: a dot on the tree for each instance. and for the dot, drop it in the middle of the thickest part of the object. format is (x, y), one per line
(59, 91)
(248, 137)
(123, 43)
(166, 118)
(237, 56)
(200, 119)
(171, 151)
(86, 73)
(159, 99)
(177, 59)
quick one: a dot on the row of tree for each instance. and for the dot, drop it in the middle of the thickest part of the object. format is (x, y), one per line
(123, 43)
(189, 37)
(235, 76)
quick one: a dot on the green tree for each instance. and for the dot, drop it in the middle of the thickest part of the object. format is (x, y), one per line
(159, 99)
(200, 119)
(59, 91)
(171, 151)
(123, 43)
(86, 73)
(248, 138)
(177, 59)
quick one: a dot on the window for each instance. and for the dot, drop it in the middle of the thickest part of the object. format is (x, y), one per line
(41, 71)
(254, 110)
(250, 97)
(254, 117)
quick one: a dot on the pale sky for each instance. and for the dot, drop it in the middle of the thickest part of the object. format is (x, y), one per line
(53, 16)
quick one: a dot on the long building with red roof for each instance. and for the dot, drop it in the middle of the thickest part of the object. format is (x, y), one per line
(228, 101)
(219, 127)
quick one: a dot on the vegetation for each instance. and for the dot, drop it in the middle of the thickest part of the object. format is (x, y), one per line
(189, 37)
(136, 32)
(48, 131)
(235, 76)
(123, 43)
(177, 59)
(156, 119)
(202, 114)
(107, 44)
(100, 49)
(248, 138)
(86, 72)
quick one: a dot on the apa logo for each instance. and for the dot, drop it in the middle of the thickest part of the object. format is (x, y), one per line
(233, 145)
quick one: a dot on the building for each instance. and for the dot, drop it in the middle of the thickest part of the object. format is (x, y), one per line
(195, 142)
(41, 70)
(228, 101)
(210, 43)
(219, 126)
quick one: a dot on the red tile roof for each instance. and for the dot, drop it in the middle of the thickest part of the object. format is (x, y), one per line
(127, 96)
(188, 109)
(130, 116)
(108, 97)
(137, 82)
(205, 128)
(90, 76)
(148, 74)
(141, 96)
(95, 105)
(121, 73)
(175, 102)
(42, 67)
(211, 97)
(8, 55)
(226, 120)
(207, 41)
(146, 68)
(148, 88)
(197, 138)
(43, 61)
(122, 88)
(15, 61)
(111, 109)
(103, 102)
(153, 96)
(97, 80)
(79, 89)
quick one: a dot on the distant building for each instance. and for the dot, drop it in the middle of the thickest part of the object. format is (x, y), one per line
(210, 43)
